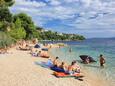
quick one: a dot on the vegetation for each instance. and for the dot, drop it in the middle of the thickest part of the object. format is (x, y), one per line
(49, 35)
(17, 31)
(21, 26)
(27, 24)
(5, 40)
(4, 3)
(5, 18)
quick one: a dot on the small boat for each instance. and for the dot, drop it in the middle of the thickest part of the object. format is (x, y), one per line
(85, 57)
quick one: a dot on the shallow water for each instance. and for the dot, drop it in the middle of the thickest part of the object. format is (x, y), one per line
(92, 47)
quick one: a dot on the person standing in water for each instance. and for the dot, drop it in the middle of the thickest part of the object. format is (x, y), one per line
(70, 50)
(102, 60)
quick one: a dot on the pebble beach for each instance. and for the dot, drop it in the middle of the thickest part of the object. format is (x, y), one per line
(19, 68)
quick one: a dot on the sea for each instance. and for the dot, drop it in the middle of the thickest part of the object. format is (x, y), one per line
(92, 47)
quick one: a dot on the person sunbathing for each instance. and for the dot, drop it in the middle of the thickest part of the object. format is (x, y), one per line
(44, 54)
(62, 66)
(3, 50)
(73, 68)
(24, 46)
(70, 69)
(55, 62)
(76, 67)
(36, 53)
(49, 63)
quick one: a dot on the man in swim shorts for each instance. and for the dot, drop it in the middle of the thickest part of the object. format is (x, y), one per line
(102, 60)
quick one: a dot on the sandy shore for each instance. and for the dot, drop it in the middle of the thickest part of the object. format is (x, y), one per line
(18, 68)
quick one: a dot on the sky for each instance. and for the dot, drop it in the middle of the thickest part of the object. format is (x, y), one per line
(90, 18)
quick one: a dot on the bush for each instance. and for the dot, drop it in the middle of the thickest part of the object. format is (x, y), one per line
(5, 40)
(18, 33)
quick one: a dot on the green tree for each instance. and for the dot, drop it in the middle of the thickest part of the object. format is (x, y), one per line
(17, 32)
(39, 28)
(5, 15)
(49, 35)
(5, 18)
(4, 3)
(27, 24)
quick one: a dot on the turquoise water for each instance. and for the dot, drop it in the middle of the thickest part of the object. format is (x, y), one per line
(92, 47)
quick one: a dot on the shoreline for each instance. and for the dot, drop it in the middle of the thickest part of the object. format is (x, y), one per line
(90, 77)
(18, 68)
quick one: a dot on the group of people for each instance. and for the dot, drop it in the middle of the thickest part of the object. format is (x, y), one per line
(3, 50)
(101, 60)
(23, 45)
(74, 67)
(34, 48)
(69, 69)
(37, 51)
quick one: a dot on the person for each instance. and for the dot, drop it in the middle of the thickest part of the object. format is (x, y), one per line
(49, 63)
(102, 60)
(87, 60)
(39, 53)
(76, 67)
(24, 44)
(62, 66)
(73, 68)
(55, 62)
(44, 54)
(70, 50)
(70, 69)
(36, 53)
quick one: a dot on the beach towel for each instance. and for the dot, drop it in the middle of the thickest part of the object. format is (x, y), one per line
(47, 64)
(77, 76)
(57, 69)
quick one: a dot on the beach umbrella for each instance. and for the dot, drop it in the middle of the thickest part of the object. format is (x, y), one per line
(37, 46)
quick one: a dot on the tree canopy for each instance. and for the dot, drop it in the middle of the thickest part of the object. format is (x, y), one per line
(50, 35)
(17, 31)
(5, 14)
(4, 3)
(26, 23)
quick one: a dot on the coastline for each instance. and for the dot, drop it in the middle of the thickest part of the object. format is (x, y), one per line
(90, 78)
(33, 32)
(18, 68)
